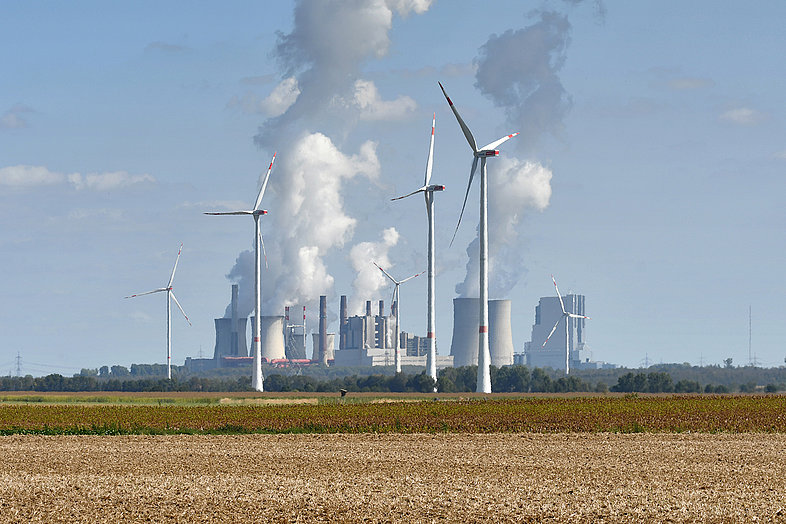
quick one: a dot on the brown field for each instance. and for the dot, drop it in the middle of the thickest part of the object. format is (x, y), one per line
(584, 477)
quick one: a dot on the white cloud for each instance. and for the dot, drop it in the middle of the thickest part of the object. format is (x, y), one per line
(33, 176)
(107, 181)
(372, 107)
(743, 116)
(29, 176)
(283, 96)
(13, 119)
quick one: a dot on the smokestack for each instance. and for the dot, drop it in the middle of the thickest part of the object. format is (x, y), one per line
(331, 340)
(368, 308)
(323, 356)
(500, 334)
(381, 308)
(234, 341)
(342, 328)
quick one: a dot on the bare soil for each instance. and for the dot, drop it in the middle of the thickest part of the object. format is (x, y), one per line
(394, 478)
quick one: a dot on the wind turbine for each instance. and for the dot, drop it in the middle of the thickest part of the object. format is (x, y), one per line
(565, 316)
(257, 379)
(484, 356)
(397, 300)
(170, 295)
(428, 193)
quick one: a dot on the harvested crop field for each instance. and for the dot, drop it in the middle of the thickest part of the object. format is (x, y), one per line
(561, 477)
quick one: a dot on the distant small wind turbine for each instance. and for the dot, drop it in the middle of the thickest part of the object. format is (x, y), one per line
(397, 301)
(484, 356)
(428, 193)
(170, 295)
(565, 316)
(257, 380)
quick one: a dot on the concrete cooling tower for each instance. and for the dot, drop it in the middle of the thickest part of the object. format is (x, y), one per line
(230, 343)
(272, 337)
(464, 346)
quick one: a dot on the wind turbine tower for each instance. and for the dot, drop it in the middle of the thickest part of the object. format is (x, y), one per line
(428, 192)
(484, 355)
(169, 298)
(257, 380)
(397, 300)
(565, 316)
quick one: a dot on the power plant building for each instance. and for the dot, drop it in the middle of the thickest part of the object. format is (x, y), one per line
(547, 313)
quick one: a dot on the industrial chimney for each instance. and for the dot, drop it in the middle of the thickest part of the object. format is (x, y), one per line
(342, 328)
(323, 355)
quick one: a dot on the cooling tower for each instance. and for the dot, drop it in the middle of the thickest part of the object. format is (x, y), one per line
(464, 346)
(330, 341)
(225, 347)
(272, 337)
(500, 335)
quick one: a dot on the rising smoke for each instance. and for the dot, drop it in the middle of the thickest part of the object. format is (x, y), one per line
(519, 71)
(320, 61)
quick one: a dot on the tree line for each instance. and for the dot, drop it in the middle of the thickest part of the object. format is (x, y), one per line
(507, 379)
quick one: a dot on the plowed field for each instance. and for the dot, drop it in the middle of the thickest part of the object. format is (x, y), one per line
(392, 477)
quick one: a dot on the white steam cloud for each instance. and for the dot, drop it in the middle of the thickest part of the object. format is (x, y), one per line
(515, 188)
(370, 280)
(322, 97)
(518, 71)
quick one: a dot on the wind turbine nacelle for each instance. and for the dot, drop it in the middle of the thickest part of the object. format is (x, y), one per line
(487, 153)
(260, 212)
(436, 188)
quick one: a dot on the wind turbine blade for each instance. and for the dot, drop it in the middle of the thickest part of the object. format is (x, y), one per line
(430, 161)
(180, 307)
(231, 213)
(561, 303)
(551, 333)
(572, 315)
(264, 184)
(147, 293)
(502, 140)
(172, 277)
(421, 190)
(469, 185)
(413, 276)
(386, 273)
(464, 128)
(264, 253)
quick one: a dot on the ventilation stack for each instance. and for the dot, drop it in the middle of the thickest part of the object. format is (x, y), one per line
(342, 329)
(323, 354)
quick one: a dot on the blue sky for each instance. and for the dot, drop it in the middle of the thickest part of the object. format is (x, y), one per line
(647, 177)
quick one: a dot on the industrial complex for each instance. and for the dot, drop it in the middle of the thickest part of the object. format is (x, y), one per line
(368, 339)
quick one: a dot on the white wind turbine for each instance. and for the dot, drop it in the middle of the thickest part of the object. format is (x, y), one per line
(169, 296)
(257, 379)
(484, 356)
(397, 301)
(565, 316)
(428, 193)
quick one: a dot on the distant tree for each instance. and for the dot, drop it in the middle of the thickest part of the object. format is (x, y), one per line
(687, 386)
(728, 362)
(103, 371)
(540, 381)
(119, 371)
